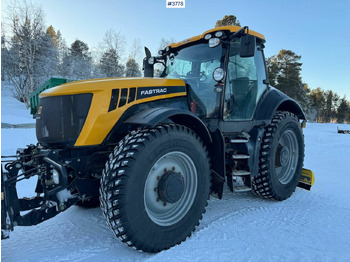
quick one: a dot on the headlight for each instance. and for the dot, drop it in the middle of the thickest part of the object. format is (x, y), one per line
(214, 42)
(151, 60)
(207, 36)
(219, 34)
(218, 74)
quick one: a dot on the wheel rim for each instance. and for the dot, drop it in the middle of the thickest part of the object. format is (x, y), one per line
(164, 213)
(287, 156)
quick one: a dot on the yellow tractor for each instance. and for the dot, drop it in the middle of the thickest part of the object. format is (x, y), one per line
(151, 150)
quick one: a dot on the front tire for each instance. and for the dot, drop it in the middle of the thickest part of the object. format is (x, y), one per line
(281, 158)
(155, 187)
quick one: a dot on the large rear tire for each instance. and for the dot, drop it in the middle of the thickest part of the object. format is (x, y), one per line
(155, 187)
(281, 158)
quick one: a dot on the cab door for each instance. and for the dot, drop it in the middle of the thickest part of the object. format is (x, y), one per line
(244, 83)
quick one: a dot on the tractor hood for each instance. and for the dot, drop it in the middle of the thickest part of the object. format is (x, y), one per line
(108, 84)
(89, 109)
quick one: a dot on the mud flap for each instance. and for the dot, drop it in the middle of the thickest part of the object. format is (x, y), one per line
(307, 179)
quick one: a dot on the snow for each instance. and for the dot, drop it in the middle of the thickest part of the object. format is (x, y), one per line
(17, 114)
(64, 195)
(309, 226)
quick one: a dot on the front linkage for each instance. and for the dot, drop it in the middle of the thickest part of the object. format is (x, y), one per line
(52, 189)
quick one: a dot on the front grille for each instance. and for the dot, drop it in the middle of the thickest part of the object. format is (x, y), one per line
(61, 118)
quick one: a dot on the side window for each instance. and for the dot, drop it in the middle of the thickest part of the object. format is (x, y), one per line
(260, 65)
(244, 84)
(180, 69)
(207, 68)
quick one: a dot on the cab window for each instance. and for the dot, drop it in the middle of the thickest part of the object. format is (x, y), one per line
(244, 84)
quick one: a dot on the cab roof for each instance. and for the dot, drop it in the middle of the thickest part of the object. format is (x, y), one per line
(232, 29)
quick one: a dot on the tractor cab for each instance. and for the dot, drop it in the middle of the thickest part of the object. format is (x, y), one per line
(224, 70)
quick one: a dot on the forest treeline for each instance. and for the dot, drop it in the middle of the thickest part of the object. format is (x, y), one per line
(31, 53)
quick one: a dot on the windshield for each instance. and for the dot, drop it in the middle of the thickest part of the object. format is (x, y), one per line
(195, 65)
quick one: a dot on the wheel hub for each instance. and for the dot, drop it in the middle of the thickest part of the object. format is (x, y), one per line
(171, 187)
(282, 156)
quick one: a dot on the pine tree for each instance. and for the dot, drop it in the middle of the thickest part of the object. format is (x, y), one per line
(77, 63)
(343, 110)
(132, 68)
(284, 72)
(272, 70)
(109, 64)
(331, 105)
(228, 20)
(289, 79)
(318, 103)
(79, 49)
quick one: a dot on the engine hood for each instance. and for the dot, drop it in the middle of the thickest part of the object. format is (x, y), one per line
(111, 97)
(108, 84)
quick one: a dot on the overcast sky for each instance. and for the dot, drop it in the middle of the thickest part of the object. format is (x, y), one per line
(316, 30)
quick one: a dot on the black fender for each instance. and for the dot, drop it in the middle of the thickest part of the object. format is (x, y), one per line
(213, 141)
(154, 116)
(274, 100)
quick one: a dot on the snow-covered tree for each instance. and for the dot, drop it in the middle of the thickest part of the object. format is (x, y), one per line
(28, 37)
(136, 51)
(77, 63)
(110, 63)
(4, 53)
(46, 60)
(132, 68)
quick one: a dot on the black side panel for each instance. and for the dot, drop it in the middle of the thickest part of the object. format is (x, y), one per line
(154, 116)
(132, 94)
(123, 97)
(275, 100)
(114, 100)
(217, 162)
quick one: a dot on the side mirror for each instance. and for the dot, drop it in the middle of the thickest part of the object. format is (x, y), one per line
(148, 68)
(247, 46)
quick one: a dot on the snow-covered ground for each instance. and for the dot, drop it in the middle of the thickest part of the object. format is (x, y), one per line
(309, 226)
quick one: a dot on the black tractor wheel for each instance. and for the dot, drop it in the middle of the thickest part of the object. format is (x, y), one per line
(281, 158)
(155, 187)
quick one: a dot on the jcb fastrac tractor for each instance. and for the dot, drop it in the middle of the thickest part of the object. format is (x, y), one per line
(151, 150)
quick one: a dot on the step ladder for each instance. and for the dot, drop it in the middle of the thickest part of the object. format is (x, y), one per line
(237, 181)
